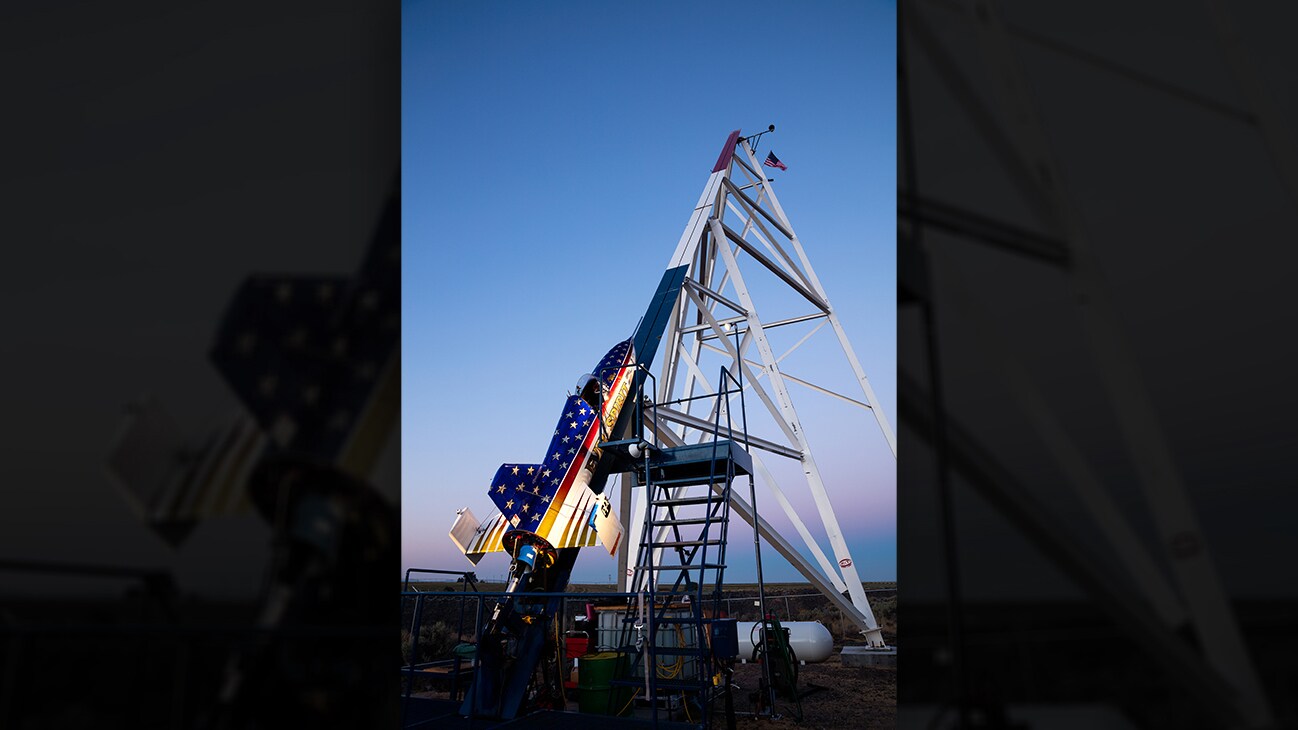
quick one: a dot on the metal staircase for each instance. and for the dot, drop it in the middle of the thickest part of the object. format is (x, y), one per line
(681, 565)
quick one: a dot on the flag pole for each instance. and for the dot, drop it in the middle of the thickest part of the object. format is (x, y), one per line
(753, 139)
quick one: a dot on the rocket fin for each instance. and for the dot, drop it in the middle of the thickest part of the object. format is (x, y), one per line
(476, 540)
(606, 524)
(584, 520)
(571, 525)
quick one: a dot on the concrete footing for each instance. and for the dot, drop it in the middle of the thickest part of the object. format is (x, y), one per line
(864, 656)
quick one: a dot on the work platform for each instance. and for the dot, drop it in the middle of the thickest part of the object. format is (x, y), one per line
(698, 463)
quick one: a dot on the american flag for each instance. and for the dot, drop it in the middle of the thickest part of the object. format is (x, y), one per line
(773, 161)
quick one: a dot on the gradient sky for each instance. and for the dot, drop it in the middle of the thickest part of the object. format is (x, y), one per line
(552, 154)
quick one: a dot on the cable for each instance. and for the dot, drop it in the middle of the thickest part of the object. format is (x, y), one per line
(558, 663)
(628, 702)
(678, 666)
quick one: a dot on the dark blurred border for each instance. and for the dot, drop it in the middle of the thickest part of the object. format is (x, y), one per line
(160, 160)
(1097, 212)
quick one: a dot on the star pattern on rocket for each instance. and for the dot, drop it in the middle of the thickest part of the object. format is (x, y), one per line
(304, 353)
(524, 492)
(607, 368)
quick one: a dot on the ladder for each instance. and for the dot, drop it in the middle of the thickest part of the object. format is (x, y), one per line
(680, 567)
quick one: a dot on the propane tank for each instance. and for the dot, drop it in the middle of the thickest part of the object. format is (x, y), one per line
(810, 640)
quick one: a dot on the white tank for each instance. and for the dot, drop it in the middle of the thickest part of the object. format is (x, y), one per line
(810, 640)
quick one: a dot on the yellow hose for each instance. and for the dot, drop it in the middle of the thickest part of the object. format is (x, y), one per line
(628, 702)
(679, 665)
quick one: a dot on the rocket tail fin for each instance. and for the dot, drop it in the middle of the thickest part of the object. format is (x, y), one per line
(476, 539)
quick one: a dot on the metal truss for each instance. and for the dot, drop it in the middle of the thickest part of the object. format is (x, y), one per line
(737, 234)
(1191, 594)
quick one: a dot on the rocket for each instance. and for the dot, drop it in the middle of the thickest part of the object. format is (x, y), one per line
(549, 509)
(551, 505)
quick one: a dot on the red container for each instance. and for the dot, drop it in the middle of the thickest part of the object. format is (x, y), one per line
(576, 646)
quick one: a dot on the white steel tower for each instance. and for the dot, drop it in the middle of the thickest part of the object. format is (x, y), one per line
(740, 246)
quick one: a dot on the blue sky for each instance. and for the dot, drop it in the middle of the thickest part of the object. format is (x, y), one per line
(552, 153)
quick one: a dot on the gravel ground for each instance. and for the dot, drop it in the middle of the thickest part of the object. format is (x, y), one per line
(835, 698)
(853, 697)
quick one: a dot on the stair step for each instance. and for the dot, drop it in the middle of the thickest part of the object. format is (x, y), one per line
(664, 620)
(688, 521)
(678, 651)
(679, 501)
(702, 566)
(664, 684)
(686, 543)
(698, 479)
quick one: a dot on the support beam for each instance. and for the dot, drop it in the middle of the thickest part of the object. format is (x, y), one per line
(1195, 576)
(863, 619)
(711, 248)
(789, 417)
(685, 419)
(864, 382)
(1014, 501)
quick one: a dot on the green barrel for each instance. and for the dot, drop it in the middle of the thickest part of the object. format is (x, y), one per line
(594, 694)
